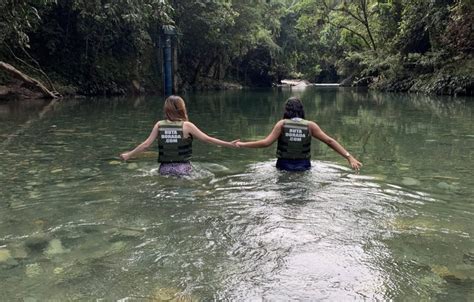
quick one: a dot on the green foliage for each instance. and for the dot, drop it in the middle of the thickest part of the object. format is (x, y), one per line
(377, 38)
(101, 46)
(219, 37)
(459, 35)
(18, 18)
(98, 45)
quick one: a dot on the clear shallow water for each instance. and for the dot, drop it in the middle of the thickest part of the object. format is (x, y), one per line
(78, 224)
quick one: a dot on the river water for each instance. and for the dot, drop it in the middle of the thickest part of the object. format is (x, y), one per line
(76, 223)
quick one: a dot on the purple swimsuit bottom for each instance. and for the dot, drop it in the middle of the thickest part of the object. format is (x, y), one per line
(177, 169)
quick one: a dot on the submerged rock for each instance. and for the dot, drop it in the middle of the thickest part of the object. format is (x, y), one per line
(19, 252)
(5, 255)
(171, 294)
(116, 247)
(37, 243)
(433, 281)
(458, 274)
(41, 223)
(405, 224)
(33, 270)
(55, 247)
(408, 181)
(445, 186)
(468, 257)
(132, 166)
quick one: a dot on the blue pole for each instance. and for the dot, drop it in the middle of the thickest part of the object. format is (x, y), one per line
(168, 70)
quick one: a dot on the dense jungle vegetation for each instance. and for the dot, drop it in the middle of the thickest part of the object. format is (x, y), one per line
(111, 47)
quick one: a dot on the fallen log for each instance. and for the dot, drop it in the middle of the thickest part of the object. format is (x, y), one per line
(31, 82)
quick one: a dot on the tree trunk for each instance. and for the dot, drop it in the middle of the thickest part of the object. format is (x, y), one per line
(197, 72)
(31, 82)
(175, 67)
(364, 8)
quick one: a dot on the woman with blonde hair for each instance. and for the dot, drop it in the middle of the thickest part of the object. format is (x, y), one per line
(175, 136)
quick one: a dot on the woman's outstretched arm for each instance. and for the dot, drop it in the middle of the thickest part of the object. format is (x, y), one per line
(316, 132)
(143, 146)
(197, 133)
(267, 141)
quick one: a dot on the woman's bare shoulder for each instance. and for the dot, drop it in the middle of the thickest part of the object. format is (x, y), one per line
(188, 124)
(280, 122)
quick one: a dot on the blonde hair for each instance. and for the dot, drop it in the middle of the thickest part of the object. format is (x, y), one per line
(175, 109)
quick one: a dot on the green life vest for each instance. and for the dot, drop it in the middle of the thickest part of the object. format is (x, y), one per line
(295, 140)
(172, 145)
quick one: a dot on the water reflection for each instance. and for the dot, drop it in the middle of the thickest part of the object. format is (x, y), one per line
(78, 224)
(304, 227)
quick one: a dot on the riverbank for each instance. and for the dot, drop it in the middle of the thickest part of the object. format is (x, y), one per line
(454, 77)
(14, 89)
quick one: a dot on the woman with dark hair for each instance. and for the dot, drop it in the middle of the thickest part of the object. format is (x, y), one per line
(294, 135)
(175, 137)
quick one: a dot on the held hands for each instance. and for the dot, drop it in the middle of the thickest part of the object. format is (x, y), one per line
(235, 143)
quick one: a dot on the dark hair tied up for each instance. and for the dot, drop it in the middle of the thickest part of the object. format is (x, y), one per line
(293, 108)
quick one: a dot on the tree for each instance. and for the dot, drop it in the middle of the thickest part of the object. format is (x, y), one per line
(17, 19)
